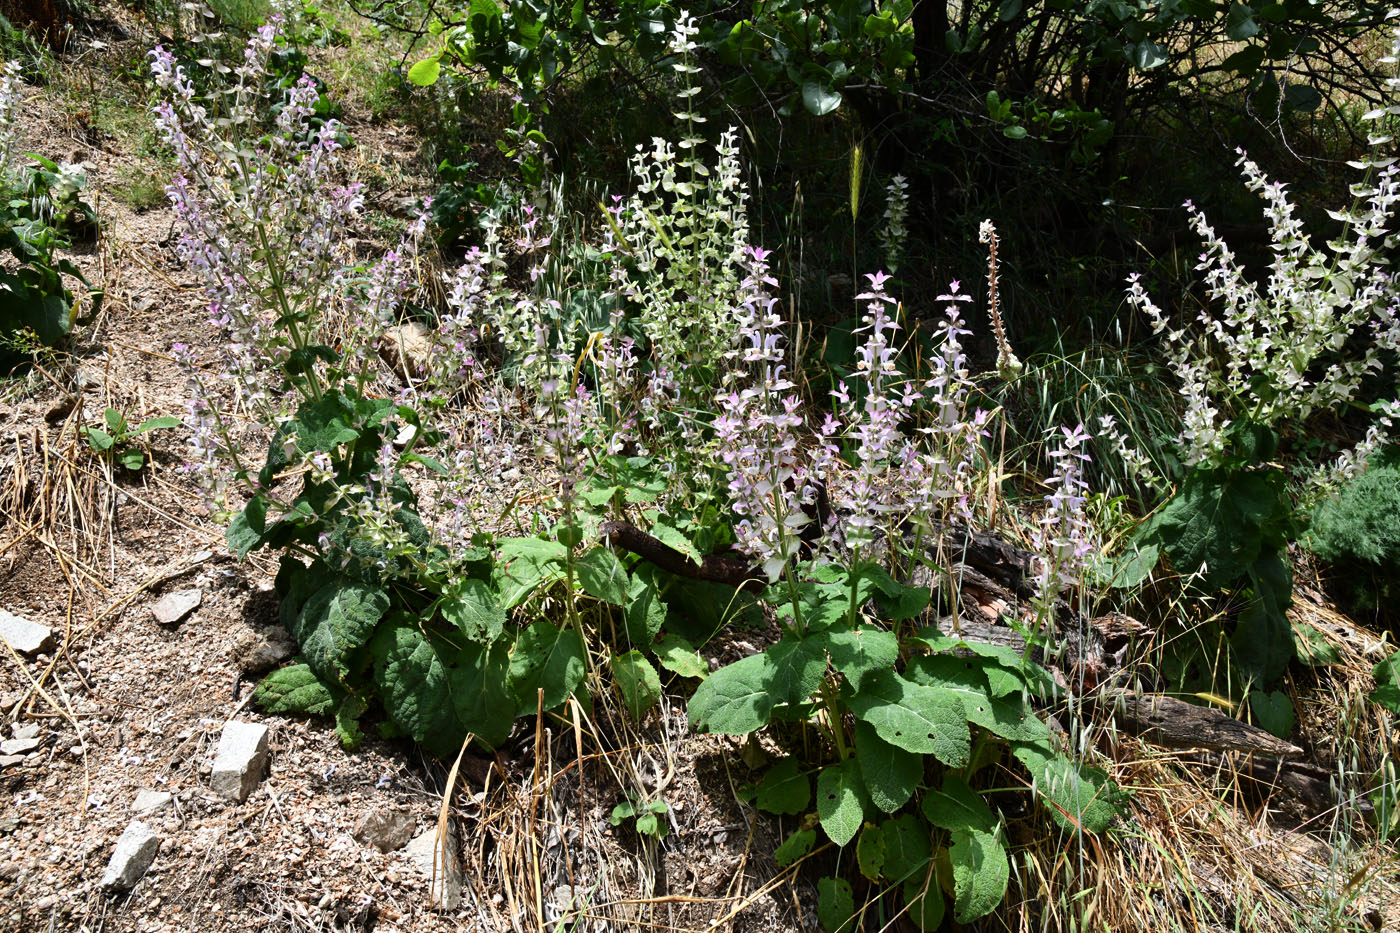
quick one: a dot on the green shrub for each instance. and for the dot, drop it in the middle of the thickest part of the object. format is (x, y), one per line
(1357, 533)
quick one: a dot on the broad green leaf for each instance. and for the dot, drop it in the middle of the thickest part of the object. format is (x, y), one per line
(794, 847)
(860, 651)
(99, 439)
(736, 699)
(1312, 647)
(1036, 678)
(1147, 54)
(245, 532)
(549, 658)
(1387, 677)
(1240, 23)
(676, 540)
(157, 424)
(798, 666)
(891, 774)
(839, 801)
(679, 657)
(295, 689)
(1078, 797)
(919, 719)
(645, 611)
(602, 575)
(907, 848)
(785, 788)
(926, 903)
(870, 851)
(1262, 645)
(958, 807)
(980, 874)
(819, 99)
(133, 459)
(525, 565)
(1273, 711)
(638, 682)
(474, 608)
(347, 721)
(1007, 716)
(335, 622)
(836, 905)
(426, 72)
(481, 693)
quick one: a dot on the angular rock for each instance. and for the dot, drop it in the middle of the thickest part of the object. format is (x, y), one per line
(24, 636)
(19, 746)
(447, 879)
(151, 801)
(135, 851)
(241, 758)
(29, 730)
(9, 761)
(172, 608)
(386, 830)
(257, 650)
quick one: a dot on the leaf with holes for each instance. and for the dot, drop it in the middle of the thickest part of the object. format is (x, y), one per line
(736, 699)
(836, 905)
(1007, 716)
(549, 658)
(980, 874)
(784, 789)
(870, 852)
(890, 773)
(916, 718)
(839, 801)
(473, 606)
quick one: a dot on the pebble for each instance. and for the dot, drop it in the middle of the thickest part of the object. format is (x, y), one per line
(242, 755)
(447, 888)
(9, 761)
(135, 851)
(24, 636)
(150, 801)
(258, 650)
(19, 746)
(172, 608)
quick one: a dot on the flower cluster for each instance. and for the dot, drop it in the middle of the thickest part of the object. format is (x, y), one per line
(11, 90)
(1008, 366)
(1064, 535)
(1283, 349)
(894, 232)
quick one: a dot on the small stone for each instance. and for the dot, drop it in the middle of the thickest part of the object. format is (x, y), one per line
(24, 636)
(239, 763)
(29, 730)
(406, 349)
(386, 830)
(173, 607)
(19, 746)
(447, 884)
(260, 649)
(150, 801)
(135, 851)
(8, 824)
(9, 761)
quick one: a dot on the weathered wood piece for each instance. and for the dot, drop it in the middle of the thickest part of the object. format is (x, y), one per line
(1175, 723)
(732, 569)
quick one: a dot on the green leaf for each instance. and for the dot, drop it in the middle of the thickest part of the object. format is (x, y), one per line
(1273, 711)
(907, 848)
(1387, 677)
(1078, 797)
(836, 905)
(115, 421)
(680, 657)
(794, 847)
(859, 652)
(335, 622)
(1007, 716)
(472, 606)
(525, 565)
(651, 823)
(549, 658)
(296, 690)
(426, 72)
(839, 805)
(798, 665)
(623, 811)
(602, 575)
(638, 682)
(736, 699)
(1014, 131)
(958, 807)
(919, 719)
(1312, 647)
(157, 424)
(1147, 54)
(785, 788)
(1239, 22)
(926, 903)
(674, 539)
(1262, 645)
(819, 99)
(347, 721)
(870, 852)
(891, 774)
(99, 439)
(645, 612)
(980, 874)
(133, 459)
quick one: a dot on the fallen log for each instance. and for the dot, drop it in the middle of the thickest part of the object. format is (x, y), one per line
(1175, 723)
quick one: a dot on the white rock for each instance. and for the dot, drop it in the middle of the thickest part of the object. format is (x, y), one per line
(9, 761)
(135, 851)
(239, 763)
(29, 730)
(173, 607)
(19, 746)
(447, 884)
(24, 636)
(150, 801)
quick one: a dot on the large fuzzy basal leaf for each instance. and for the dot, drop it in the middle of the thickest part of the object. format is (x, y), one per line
(524, 566)
(956, 806)
(546, 658)
(981, 872)
(602, 575)
(836, 906)
(784, 788)
(645, 612)
(1079, 798)
(891, 774)
(907, 848)
(481, 693)
(1008, 716)
(736, 699)
(337, 621)
(475, 609)
(916, 718)
(296, 690)
(858, 652)
(840, 806)
(798, 667)
(637, 681)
